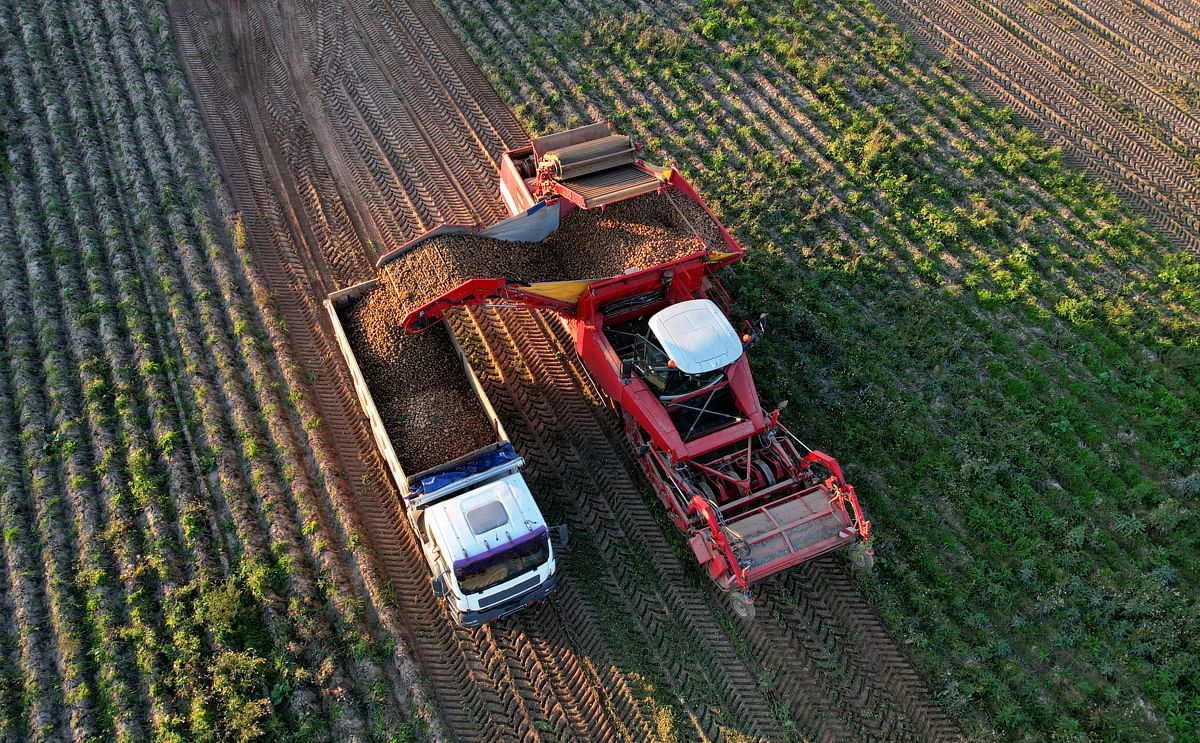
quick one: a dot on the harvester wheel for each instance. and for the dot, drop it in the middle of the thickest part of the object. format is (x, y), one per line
(742, 604)
(862, 556)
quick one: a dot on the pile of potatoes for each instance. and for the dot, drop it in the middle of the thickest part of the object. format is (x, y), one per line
(421, 391)
(597, 243)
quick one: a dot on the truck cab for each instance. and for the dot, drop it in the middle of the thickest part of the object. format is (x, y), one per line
(490, 550)
(480, 529)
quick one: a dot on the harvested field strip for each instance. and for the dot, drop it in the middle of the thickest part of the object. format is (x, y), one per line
(1106, 81)
(406, 568)
(941, 284)
(284, 527)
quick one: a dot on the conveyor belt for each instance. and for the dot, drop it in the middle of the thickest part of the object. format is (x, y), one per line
(612, 185)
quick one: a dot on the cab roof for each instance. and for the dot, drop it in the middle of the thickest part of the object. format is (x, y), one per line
(697, 336)
(472, 523)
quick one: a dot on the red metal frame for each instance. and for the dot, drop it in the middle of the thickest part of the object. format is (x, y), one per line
(478, 291)
(746, 475)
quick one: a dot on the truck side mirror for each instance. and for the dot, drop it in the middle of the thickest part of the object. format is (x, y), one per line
(438, 582)
(563, 538)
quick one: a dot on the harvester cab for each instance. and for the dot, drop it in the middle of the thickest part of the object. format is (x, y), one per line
(682, 353)
(698, 343)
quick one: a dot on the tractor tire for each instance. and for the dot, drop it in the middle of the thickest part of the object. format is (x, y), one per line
(862, 557)
(742, 605)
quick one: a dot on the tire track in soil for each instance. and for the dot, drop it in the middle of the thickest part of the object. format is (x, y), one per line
(552, 413)
(465, 666)
(551, 662)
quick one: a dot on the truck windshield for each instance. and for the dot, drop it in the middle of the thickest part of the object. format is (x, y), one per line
(505, 567)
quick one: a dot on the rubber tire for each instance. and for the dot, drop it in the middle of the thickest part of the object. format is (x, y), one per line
(742, 605)
(861, 558)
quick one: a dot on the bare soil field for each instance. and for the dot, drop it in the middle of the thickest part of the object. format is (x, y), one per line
(1115, 83)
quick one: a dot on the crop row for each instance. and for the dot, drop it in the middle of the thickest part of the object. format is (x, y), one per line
(996, 343)
(1117, 100)
(166, 535)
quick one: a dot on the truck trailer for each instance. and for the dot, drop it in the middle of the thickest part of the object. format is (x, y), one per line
(480, 529)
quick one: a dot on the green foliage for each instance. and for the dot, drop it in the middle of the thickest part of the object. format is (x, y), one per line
(221, 669)
(1002, 354)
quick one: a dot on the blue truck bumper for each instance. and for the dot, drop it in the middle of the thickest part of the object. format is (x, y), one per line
(512, 606)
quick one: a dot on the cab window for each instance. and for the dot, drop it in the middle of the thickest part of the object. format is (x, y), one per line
(504, 567)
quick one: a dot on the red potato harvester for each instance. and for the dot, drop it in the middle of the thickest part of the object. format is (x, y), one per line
(751, 498)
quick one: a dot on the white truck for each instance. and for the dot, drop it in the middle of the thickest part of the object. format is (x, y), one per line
(483, 535)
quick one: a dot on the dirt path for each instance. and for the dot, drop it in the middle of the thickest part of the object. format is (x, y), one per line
(1115, 83)
(343, 129)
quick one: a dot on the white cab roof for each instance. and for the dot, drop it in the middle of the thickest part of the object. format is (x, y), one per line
(478, 520)
(697, 336)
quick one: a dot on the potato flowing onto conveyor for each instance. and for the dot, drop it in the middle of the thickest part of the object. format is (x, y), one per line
(633, 234)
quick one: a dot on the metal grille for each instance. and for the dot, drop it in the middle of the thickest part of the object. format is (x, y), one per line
(505, 595)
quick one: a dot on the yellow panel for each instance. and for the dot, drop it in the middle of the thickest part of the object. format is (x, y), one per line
(564, 291)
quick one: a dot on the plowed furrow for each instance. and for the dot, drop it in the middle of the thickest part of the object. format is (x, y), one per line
(439, 109)
(477, 113)
(584, 716)
(1151, 42)
(1158, 179)
(530, 351)
(1082, 57)
(414, 178)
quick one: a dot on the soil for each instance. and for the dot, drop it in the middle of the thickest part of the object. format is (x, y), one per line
(423, 396)
(629, 235)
